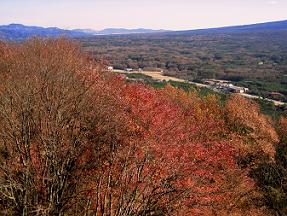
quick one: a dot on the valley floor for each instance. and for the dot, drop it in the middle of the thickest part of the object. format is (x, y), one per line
(157, 75)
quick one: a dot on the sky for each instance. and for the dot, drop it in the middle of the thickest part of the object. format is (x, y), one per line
(155, 14)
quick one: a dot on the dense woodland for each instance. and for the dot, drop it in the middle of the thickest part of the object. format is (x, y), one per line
(236, 56)
(77, 140)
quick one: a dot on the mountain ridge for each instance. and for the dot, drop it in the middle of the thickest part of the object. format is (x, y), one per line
(20, 32)
(274, 25)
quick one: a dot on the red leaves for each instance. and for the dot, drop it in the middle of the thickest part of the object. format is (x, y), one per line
(185, 136)
(122, 149)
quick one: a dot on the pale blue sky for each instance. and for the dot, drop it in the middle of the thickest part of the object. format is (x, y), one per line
(156, 14)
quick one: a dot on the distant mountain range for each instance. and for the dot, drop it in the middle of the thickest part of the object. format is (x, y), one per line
(110, 31)
(20, 32)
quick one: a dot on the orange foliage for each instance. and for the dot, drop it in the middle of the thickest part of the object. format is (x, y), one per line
(283, 129)
(89, 143)
(253, 132)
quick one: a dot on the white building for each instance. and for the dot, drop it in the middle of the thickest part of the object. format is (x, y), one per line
(110, 68)
(129, 70)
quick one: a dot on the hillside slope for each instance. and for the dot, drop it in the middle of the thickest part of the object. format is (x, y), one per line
(259, 27)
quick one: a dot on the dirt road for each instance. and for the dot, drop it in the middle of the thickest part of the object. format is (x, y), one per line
(156, 75)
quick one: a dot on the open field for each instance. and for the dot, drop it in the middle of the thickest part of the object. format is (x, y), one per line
(156, 75)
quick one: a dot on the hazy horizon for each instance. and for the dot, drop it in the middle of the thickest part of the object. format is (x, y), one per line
(131, 14)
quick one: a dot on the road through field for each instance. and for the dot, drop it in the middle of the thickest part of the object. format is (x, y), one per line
(156, 75)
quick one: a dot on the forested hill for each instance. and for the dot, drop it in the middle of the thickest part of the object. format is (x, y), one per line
(268, 26)
(78, 140)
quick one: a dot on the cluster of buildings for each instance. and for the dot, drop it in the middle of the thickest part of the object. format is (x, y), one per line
(130, 70)
(225, 86)
(215, 84)
(127, 70)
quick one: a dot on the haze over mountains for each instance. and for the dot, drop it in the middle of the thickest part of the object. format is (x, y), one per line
(109, 31)
(20, 32)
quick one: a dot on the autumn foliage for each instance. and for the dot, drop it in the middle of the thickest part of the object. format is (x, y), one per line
(77, 140)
